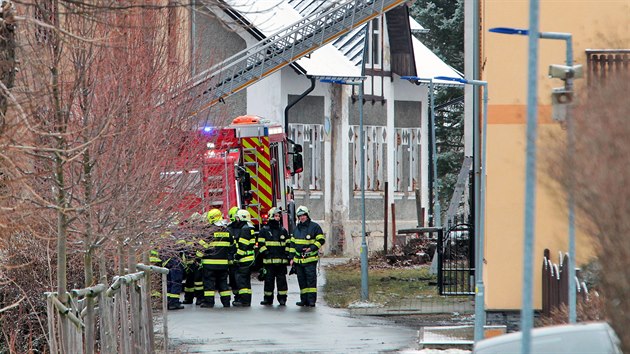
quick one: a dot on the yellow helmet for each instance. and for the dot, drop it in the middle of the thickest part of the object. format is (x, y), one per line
(232, 213)
(301, 210)
(243, 215)
(215, 215)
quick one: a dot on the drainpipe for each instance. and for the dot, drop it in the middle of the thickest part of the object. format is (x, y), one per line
(290, 105)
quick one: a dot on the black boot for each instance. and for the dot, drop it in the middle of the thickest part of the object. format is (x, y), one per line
(207, 304)
(175, 305)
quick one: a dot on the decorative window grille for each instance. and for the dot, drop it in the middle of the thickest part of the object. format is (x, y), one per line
(414, 159)
(311, 137)
(407, 139)
(374, 157)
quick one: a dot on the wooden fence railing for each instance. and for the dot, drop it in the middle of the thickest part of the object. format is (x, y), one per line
(122, 311)
(555, 284)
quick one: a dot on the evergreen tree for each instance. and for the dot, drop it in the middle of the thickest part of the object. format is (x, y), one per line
(445, 21)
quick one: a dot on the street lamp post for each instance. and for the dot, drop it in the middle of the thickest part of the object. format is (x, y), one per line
(364, 247)
(570, 146)
(437, 210)
(480, 206)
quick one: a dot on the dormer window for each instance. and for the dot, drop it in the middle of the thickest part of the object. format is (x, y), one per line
(375, 40)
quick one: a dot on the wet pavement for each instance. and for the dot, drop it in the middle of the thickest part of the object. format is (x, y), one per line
(290, 329)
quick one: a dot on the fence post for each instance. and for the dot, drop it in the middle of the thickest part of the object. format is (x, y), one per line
(165, 312)
(394, 238)
(385, 216)
(438, 259)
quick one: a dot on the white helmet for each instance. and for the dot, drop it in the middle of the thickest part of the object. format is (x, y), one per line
(301, 210)
(243, 215)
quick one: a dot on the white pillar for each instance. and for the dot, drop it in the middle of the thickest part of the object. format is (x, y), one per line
(328, 168)
(388, 88)
(424, 149)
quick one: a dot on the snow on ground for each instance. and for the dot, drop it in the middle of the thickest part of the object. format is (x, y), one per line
(436, 351)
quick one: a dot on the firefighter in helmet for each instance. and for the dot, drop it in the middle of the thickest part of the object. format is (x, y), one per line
(305, 244)
(193, 282)
(244, 257)
(219, 249)
(272, 243)
(169, 256)
(231, 266)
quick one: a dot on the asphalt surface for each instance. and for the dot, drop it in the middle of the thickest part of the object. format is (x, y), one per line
(290, 329)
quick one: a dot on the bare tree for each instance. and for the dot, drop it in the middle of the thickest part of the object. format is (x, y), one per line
(86, 140)
(597, 173)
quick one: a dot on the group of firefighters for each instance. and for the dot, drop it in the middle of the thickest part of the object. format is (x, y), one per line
(212, 256)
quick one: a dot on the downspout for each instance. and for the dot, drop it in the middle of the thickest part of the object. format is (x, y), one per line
(290, 105)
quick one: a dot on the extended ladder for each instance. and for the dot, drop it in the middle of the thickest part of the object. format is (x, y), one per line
(281, 49)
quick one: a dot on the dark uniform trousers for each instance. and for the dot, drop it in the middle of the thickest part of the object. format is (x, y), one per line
(307, 279)
(193, 286)
(243, 277)
(232, 279)
(276, 274)
(215, 280)
(174, 280)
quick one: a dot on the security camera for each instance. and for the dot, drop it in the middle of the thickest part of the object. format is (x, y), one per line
(565, 72)
(561, 98)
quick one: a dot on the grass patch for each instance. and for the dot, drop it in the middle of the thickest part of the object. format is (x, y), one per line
(385, 285)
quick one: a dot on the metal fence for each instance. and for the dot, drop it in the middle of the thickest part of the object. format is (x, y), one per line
(555, 284)
(605, 63)
(456, 270)
(122, 312)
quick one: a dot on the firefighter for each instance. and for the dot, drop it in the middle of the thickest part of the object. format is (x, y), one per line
(305, 244)
(219, 249)
(244, 257)
(169, 257)
(193, 284)
(231, 266)
(272, 241)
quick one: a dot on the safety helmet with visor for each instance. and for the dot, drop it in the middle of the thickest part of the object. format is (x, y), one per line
(301, 210)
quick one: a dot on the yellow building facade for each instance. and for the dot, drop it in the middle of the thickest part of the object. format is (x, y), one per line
(594, 24)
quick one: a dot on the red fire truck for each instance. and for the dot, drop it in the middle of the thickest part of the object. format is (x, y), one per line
(248, 164)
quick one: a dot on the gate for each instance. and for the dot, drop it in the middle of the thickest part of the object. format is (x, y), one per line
(456, 265)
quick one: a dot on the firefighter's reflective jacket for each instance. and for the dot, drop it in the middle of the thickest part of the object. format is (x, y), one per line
(306, 241)
(170, 247)
(245, 242)
(273, 243)
(218, 247)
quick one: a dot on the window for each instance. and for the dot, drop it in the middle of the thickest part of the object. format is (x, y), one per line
(374, 49)
(311, 137)
(374, 138)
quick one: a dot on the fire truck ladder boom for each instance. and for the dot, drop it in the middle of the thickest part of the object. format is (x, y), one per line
(282, 48)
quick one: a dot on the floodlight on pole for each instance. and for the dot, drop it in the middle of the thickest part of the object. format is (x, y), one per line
(568, 38)
(480, 206)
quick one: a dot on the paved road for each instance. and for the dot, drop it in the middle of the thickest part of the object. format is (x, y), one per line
(289, 329)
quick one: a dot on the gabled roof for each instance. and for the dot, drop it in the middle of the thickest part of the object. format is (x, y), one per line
(343, 57)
